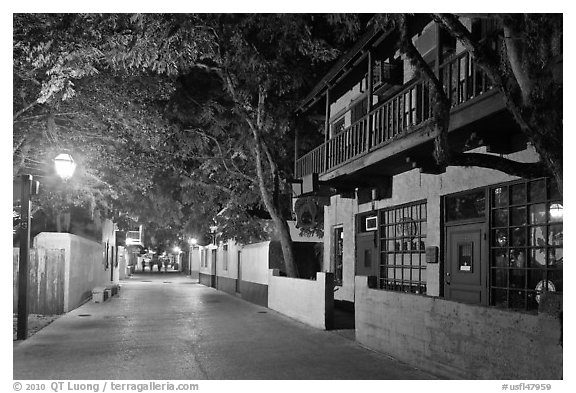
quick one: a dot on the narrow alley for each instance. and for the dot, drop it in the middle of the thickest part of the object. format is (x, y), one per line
(164, 326)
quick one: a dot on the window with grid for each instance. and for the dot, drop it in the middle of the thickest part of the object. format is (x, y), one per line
(402, 248)
(526, 246)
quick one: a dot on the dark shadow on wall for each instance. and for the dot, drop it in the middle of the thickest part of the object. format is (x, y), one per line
(308, 258)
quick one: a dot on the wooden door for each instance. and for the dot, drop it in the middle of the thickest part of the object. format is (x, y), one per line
(466, 264)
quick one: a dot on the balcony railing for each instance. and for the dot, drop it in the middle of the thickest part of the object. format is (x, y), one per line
(396, 117)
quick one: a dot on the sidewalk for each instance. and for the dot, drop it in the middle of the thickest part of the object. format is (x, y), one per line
(164, 326)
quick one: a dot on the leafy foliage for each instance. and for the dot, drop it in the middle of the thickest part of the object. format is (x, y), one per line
(144, 104)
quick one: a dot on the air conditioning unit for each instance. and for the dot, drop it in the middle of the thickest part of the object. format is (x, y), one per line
(371, 223)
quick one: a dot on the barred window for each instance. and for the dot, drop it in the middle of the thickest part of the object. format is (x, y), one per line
(402, 247)
(526, 247)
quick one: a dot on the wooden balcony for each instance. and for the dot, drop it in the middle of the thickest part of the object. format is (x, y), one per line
(404, 114)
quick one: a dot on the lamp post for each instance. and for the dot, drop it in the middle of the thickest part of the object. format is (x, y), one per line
(29, 188)
(65, 168)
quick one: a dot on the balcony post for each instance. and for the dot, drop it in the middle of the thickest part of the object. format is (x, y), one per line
(295, 151)
(369, 132)
(327, 129)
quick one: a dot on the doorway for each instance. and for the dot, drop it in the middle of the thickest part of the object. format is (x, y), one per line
(213, 275)
(367, 254)
(466, 264)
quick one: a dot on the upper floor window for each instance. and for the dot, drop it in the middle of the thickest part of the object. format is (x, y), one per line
(338, 126)
(359, 110)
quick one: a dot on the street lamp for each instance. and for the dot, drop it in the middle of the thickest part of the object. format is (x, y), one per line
(65, 167)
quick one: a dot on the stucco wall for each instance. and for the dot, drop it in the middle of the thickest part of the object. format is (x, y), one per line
(308, 301)
(341, 212)
(232, 270)
(84, 265)
(457, 340)
(255, 262)
(194, 262)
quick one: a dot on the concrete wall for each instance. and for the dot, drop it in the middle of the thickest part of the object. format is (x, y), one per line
(45, 293)
(85, 265)
(457, 340)
(308, 301)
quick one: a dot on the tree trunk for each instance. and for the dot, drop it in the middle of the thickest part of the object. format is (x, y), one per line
(280, 224)
(259, 145)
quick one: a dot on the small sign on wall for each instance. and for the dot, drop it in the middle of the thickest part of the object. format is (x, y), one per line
(465, 258)
(432, 254)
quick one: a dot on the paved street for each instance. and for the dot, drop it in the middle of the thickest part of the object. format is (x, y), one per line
(165, 326)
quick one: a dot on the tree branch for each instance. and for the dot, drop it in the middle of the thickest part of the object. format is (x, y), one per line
(237, 172)
(24, 110)
(527, 170)
(217, 186)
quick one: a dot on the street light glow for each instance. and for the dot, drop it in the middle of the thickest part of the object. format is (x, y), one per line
(177, 250)
(193, 241)
(65, 165)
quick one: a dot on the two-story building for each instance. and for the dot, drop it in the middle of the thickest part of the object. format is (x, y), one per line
(457, 270)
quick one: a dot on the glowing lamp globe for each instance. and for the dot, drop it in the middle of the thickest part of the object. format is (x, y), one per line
(65, 166)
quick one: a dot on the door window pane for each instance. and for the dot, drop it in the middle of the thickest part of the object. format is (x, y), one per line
(500, 197)
(538, 214)
(466, 206)
(500, 258)
(555, 235)
(500, 297)
(537, 257)
(500, 218)
(517, 299)
(518, 215)
(556, 212)
(518, 194)
(500, 278)
(517, 258)
(518, 237)
(500, 237)
(537, 190)
(555, 257)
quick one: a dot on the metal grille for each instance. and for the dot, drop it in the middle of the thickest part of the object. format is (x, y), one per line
(402, 248)
(526, 243)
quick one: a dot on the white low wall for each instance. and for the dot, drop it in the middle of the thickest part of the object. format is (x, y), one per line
(458, 340)
(255, 262)
(308, 301)
(84, 265)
